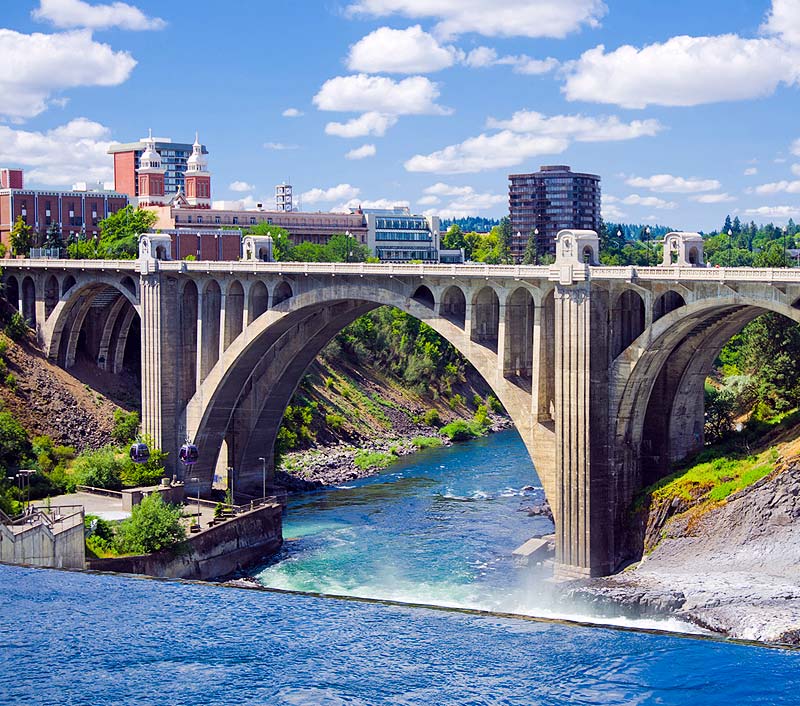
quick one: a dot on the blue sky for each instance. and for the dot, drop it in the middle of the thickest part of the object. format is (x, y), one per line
(686, 109)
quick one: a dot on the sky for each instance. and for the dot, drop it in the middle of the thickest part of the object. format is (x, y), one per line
(687, 109)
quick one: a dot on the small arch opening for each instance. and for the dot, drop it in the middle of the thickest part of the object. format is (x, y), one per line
(424, 296)
(129, 284)
(11, 292)
(694, 257)
(258, 301)
(454, 306)
(67, 284)
(282, 292)
(50, 295)
(29, 301)
(628, 320)
(486, 318)
(667, 302)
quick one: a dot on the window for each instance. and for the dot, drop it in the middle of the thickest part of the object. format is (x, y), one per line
(199, 219)
(217, 219)
(235, 220)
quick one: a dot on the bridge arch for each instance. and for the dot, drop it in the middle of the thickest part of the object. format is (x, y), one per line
(211, 306)
(486, 317)
(628, 320)
(242, 400)
(424, 296)
(11, 290)
(667, 302)
(518, 351)
(257, 301)
(29, 300)
(660, 400)
(453, 305)
(282, 292)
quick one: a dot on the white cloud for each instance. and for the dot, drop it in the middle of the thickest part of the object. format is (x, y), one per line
(240, 186)
(783, 20)
(648, 201)
(35, 66)
(777, 187)
(612, 213)
(66, 14)
(367, 203)
(415, 95)
(428, 200)
(774, 211)
(464, 201)
(401, 51)
(442, 189)
(504, 18)
(76, 151)
(279, 146)
(334, 193)
(795, 148)
(483, 57)
(666, 183)
(526, 135)
(361, 152)
(367, 124)
(712, 198)
(292, 113)
(751, 171)
(796, 169)
(683, 71)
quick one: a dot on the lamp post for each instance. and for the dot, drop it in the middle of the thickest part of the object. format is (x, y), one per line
(536, 246)
(783, 258)
(263, 476)
(347, 244)
(730, 245)
(24, 475)
(649, 249)
(197, 480)
(619, 238)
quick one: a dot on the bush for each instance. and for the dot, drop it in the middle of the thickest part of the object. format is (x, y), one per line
(152, 526)
(369, 460)
(482, 416)
(494, 404)
(17, 327)
(432, 418)
(126, 426)
(456, 401)
(426, 442)
(477, 400)
(335, 421)
(461, 430)
(14, 444)
(99, 469)
(134, 475)
(99, 536)
(3, 346)
(11, 381)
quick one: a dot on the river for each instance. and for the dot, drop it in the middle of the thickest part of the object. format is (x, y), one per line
(437, 527)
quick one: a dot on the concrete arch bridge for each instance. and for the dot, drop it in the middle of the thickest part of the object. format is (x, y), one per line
(601, 368)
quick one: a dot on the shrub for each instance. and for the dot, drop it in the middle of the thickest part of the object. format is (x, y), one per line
(133, 475)
(456, 401)
(14, 444)
(426, 442)
(335, 421)
(482, 416)
(3, 346)
(99, 535)
(369, 460)
(126, 426)
(99, 469)
(190, 258)
(152, 526)
(11, 381)
(432, 418)
(494, 404)
(462, 430)
(17, 327)
(477, 400)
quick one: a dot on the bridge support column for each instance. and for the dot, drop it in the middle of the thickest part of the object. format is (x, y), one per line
(161, 365)
(583, 506)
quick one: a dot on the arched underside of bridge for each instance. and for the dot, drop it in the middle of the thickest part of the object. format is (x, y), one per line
(660, 403)
(243, 397)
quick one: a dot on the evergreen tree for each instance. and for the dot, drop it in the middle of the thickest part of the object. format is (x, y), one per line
(531, 254)
(506, 236)
(21, 238)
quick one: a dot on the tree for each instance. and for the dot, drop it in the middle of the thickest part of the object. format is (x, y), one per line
(531, 254)
(152, 526)
(344, 248)
(21, 237)
(14, 443)
(281, 241)
(119, 233)
(454, 239)
(53, 240)
(506, 237)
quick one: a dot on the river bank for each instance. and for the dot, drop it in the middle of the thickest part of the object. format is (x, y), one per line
(338, 463)
(735, 570)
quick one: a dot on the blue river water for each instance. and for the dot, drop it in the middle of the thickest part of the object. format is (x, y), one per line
(436, 528)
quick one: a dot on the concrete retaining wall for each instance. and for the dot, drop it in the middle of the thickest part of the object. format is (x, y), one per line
(37, 544)
(233, 545)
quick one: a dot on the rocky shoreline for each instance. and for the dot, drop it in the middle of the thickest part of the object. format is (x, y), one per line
(317, 467)
(734, 571)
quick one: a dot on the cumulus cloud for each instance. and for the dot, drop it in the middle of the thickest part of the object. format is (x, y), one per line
(612, 212)
(778, 187)
(415, 95)
(240, 186)
(279, 146)
(796, 169)
(403, 51)
(667, 183)
(527, 134)
(774, 211)
(367, 124)
(35, 66)
(292, 113)
(494, 18)
(712, 198)
(795, 148)
(783, 21)
(751, 171)
(648, 202)
(464, 200)
(334, 193)
(367, 203)
(361, 152)
(483, 57)
(75, 151)
(68, 14)
(683, 71)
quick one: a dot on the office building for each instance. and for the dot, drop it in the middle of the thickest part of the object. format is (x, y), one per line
(395, 235)
(174, 159)
(74, 212)
(553, 199)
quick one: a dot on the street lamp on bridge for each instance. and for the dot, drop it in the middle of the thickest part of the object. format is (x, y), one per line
(263, 476)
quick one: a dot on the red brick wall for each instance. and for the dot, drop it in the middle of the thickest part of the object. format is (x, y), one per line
(125, 173)
(231, 247)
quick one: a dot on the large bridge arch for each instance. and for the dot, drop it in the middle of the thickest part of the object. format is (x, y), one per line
(257, 374)
(659, 405)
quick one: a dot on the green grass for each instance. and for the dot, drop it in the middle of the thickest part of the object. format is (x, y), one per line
(462, 430)
(426, 442)
(370, 460)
